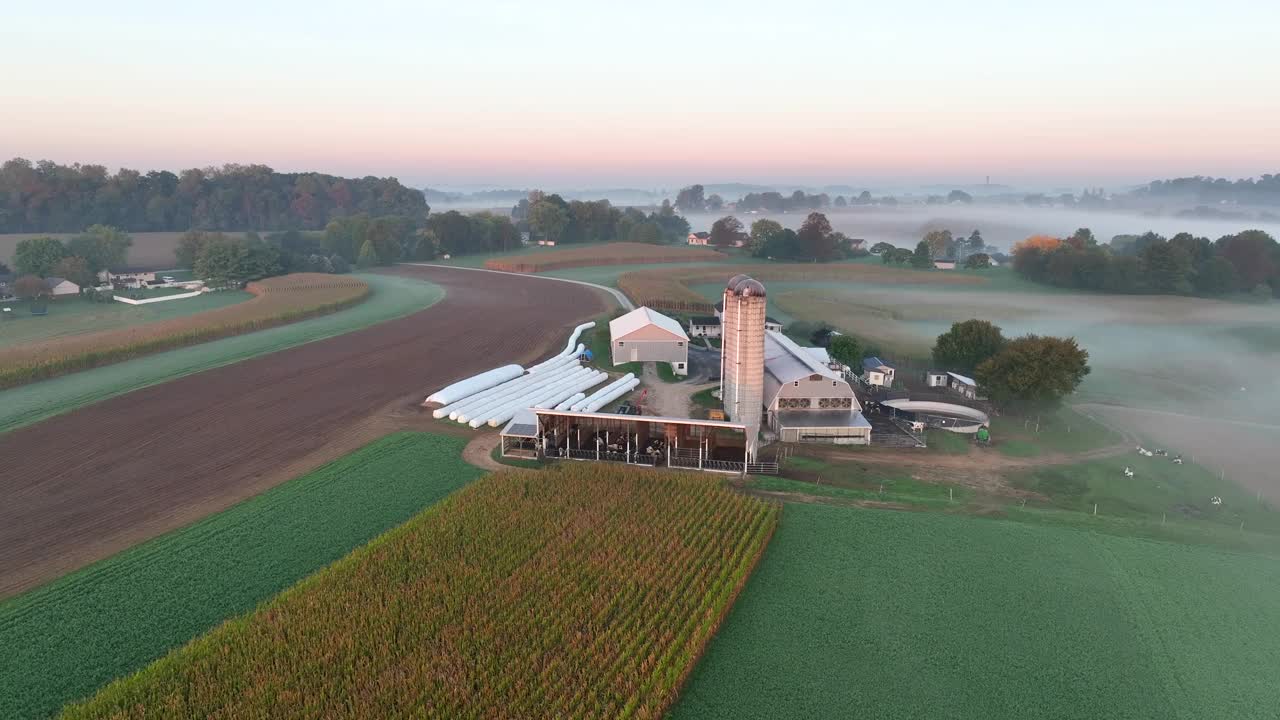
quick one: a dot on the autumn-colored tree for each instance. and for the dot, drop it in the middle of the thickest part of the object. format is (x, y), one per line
(1044, 243)
(940, 243)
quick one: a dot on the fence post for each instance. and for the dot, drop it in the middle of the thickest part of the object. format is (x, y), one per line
(950, 491)
(1095, 508)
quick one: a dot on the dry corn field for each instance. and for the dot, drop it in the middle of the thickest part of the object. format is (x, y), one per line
(670, 288)
(278, 300)
(623, 253)
(580, 591)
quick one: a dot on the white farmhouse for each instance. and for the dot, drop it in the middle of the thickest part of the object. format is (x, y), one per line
(644, 335)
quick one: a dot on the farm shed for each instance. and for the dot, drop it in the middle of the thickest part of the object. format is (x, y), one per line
(877, 372)
(59, 287)
(645, 335)
(807, 401)
(964, 385)
(519, 437)
(646, 440)
(945, 264)
(936, 378)
(704, 326)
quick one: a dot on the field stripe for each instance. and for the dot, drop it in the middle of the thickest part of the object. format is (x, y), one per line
(391, 297)
(65, 639)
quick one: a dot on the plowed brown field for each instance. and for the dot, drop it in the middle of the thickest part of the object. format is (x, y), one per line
(620, 253)
(81, 486)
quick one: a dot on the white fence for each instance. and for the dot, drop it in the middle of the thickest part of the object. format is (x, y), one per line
(162, 298)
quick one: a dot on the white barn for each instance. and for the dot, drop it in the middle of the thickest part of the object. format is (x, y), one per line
(644, 335)
(807, 401)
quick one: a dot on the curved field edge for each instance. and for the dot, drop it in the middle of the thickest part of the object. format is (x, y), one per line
(577, 590)
(42, 361)
(65, 639)
(902, 615)
(390, 297)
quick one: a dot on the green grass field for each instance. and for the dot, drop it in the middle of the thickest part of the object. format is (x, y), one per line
(75, 316)
(64, 640)
(1061, 431)
(867, 613)
(391, 297)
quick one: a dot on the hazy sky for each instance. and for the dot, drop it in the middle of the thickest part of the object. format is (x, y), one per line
(651, 94)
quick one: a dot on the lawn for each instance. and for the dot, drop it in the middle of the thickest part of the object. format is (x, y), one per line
(391, 297)
(869, 613)
(1061, 431)
(64, 640)
(1158, 489)
(579, 591)
(597, 341)
(945, 442)
(75, 315)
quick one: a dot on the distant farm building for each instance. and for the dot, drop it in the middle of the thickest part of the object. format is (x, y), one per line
(944, 264)
(877, 372)
(936, 378)
(644, 335)
(769, 323)
(806, 400)
(699, 238)
(127, 278)
(59, 287)
(963, 385)
(704, 326)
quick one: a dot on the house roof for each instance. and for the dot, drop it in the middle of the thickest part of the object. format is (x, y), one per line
(874, 363)
(720, 306)
(53, 282)
(704, 320)
(771, 321)
(786, 362)
(935, 372)
(642, 316)
(964, 379)
(523, 424)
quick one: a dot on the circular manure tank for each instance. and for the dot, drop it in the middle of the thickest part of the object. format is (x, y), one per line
(940, 415)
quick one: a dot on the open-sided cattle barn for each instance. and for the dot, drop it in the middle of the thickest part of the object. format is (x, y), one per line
(636, 439)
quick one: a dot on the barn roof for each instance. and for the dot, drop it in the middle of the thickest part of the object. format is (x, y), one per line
(704, 320)
(964, 379)
(874, 363)
(786, 362)
(640, 317)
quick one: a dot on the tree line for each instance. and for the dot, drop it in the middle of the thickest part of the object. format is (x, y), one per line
(550, 217)
(815, 241)
(972, 252)
(1248, 261)
(1246, 191)
(694, 199)
(53, 198)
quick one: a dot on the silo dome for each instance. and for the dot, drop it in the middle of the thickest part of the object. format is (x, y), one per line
(750, 288)
(732, 285)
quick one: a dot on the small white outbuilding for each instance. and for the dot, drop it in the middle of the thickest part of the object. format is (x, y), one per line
(644, 335)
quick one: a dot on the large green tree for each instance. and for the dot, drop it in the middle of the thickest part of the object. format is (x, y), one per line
(76, 269)
(37, 256)
(1033, 372)
(221, 262)
(1167, 268)
(816, 238)
(845, 350)
(967, 345)
(762, 231)
(102, 247)
(923, 256)
(940, 243)
(549, 219)
(727, 232)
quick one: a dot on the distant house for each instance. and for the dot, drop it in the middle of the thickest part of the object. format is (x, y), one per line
(704, 326)
(964, 385)
(127, 278)
(59, 287)
(945, 264)
(6, 286)
(771, 324)
(877, 372)
(699, 238)
(857, 244)
(936, 378)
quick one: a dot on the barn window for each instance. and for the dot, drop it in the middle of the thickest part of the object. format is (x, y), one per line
(680, 343)
(621, 343)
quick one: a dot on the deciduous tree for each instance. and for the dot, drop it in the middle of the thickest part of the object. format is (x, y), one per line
(37, 256)
(967, 345)
(762, 231)
(1033, 372)
(727, 232)
(102, 247)
(76, 269)
(845, 350)
(923, 256)
(816, 238)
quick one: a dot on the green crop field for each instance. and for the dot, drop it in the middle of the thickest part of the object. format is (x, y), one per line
(64, 640)
(74, 316)
(866, 613)
(391, 297)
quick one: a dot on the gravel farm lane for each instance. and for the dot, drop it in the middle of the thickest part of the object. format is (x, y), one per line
(84, 485)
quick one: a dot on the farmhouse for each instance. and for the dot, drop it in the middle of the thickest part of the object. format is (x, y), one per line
(964, 385)
(644, 335)
(699, 238)
(877, 372)
(807, 401)
(59, 287)
(704, 326)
